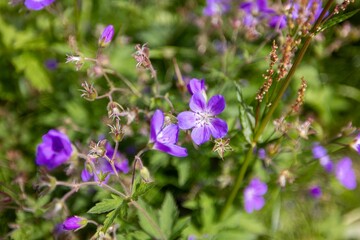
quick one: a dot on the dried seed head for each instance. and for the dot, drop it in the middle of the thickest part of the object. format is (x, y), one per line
(115, 110)
(285, 177)
(221, 146)
(97, 150)
(88, 91)
(117, 131)
(300, 97)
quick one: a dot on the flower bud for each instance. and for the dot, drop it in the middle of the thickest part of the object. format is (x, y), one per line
(74, 223)
(106, 36)
(145, 174)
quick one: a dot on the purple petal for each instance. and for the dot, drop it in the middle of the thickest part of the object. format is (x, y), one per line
(171, 149)
(186, 120)
(196, 85)
(258, 186)
(326, 162)
(197, 102)
(74, 222)
(216, 105)
(169, 135)
(277, 21)
(315, 191)
(156, 124)
(345, 174)
(200, 135)
(85, 175)
(218, 128)
(318, 151)
(262, 5)
(258, 202)
(37, 4)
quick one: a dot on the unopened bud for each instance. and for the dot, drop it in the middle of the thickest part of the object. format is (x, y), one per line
(106, 36)
(74, 223)
(145, 174)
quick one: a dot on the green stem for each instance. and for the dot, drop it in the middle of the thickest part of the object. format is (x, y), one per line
(269, 114)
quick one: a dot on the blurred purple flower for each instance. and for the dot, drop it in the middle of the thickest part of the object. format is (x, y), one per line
(345, 173)
(37, 4)
(106, 36)
(262, 153)
(307, 11)
(258, 10)
(356, 144)
(315, 191)
(51, 64)
(74, 223)
(202, 118)
(216, 7)
(319, 152)
(253, 195)
(165, 137)
(54, 150)
(103, 166)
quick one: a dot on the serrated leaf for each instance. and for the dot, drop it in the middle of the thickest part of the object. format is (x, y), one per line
(338, 19)
(168, 214)
(110, 218)
(105, 205)
(123, 209)
(246, 116)
(148, 224)
(179, 226)
(142, 188)
(33, 71)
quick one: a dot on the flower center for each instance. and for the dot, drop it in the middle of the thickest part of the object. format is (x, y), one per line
(203, 118)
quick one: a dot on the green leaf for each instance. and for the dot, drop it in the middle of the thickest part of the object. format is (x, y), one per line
(179, 226)
(148, 224)
(168, 214)
(246, 116)
(207, 212)
(338, 19)
(105, 205)
(110, 218)
(33, 71)
(142, 188)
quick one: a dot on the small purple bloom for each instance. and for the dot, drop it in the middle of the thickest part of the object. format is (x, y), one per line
(315, 191)
(165, 138)
(103, 166)
(356, 144)
(307, 12)
(253, 195)
(54, 150)
(37, 4)
(216, 7)
(345, 173)
(262, 154)
(51, 64)
(106, 36)
(319, 152)
(202, 118)
(277, 21)
(74, 223)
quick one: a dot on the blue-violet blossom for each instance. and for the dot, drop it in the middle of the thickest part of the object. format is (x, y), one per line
(315, 191)
(102, 166)
(37, 4)
(165, 137)
(216, 7)
(202, 118)
(74, 223)
(345, 173)
(54, 150)
(253, 195)
(319, 152)
(106, 36)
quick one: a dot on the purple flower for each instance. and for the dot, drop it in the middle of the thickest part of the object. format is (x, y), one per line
(196, 85)
(37, 4)
(356, 144)
(54, 150)
(253, 195)
(74, 223)
(319, 152)
(256, 11)
(262, 153)
(202, 118)
(165, 137)
(345, 174)
(51, 64)
(106, 36)
(216, 7)
(307, 12)
(315, 191)
(102, 166)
